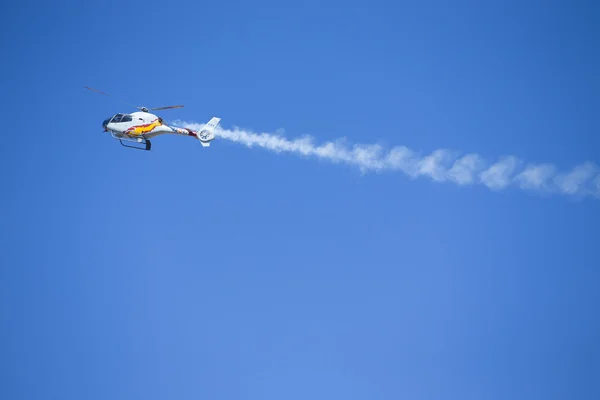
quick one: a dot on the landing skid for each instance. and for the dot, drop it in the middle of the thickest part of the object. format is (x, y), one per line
(144, 141)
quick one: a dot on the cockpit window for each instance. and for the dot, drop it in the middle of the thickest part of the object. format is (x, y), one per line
(121, 118)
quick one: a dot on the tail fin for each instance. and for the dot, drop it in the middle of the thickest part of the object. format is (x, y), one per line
(207, 133)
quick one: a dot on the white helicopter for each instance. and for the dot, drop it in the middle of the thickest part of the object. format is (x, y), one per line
(141, 126)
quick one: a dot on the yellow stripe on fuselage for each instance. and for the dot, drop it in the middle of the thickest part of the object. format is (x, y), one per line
(147, 128)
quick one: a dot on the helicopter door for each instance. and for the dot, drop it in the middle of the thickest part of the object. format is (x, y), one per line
(126, 121)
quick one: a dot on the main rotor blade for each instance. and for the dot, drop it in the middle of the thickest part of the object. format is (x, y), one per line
(129, 104)
(167, 107)
(106, 94)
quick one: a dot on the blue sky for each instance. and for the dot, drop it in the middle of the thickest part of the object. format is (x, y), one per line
(236, 272)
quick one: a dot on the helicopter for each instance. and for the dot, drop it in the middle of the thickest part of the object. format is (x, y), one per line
(141, 126)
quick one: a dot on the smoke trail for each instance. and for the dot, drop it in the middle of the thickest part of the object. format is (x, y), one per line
(441, 165)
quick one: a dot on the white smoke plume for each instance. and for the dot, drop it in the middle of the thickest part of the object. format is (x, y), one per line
(441, 165)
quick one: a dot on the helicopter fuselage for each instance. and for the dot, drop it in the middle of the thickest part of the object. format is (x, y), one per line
(140, 125)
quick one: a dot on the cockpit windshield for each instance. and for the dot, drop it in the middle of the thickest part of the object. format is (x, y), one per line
(116, 119)
(120, 118)
(105, 122)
